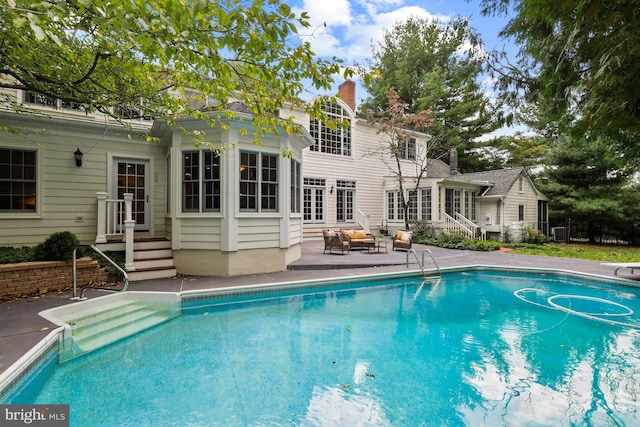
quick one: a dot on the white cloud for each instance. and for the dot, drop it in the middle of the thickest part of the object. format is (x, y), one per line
(346, 29)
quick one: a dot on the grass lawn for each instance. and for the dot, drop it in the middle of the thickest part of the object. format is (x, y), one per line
(604, 253)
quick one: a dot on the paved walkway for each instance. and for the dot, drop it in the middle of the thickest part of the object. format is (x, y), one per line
(21, 327)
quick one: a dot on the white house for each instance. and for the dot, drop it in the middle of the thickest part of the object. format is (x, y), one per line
(175, 208)
(346, 185)
(234, 213)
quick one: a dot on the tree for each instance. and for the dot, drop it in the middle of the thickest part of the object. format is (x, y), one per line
(430, 67)
(589, 185)
(161, 57)
(515, 150)
(578, 64)
(399, 126)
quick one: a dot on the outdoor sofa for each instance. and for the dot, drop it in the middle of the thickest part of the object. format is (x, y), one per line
(359, 239)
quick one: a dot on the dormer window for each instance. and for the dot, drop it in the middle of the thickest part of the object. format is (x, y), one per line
(331, 141)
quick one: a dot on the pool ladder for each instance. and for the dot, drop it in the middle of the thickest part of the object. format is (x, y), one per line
(421, 264)
(438, 278)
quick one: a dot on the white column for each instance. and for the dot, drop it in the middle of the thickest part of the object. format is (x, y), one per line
(101, 232)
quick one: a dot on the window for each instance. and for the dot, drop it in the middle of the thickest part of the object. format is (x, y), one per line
(520, 212)
(412, 211)
(258, 182)
(452, 201)
(394, 206)
(520, 184)
(425, 195)
(200, 181)
(408, 149)
(331, 141)
(313, 199)
(473, 214)
(345, 200)
(17, 180)
(295, 186)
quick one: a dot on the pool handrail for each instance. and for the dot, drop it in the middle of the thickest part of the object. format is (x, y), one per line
(421, 264)
(112, 262)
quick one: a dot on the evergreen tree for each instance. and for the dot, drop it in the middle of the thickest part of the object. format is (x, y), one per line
(578, 65)
(587, 185)
(435, 67)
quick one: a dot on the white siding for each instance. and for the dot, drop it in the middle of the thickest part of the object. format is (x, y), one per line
(66, 194)
(364, 166)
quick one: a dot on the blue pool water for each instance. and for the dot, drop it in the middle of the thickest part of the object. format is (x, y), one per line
(480, 348)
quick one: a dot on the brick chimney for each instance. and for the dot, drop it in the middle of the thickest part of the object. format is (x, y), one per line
(347, 91)
(453, 161)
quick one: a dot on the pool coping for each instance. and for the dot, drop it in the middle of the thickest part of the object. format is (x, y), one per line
(30, 361)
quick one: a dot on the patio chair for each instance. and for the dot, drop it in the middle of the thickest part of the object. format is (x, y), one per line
(333, 239)
(402, 240)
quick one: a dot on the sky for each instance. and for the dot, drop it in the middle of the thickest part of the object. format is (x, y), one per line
(347, 28)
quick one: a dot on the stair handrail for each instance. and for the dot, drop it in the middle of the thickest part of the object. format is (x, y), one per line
(471, 225)
(452, 224)
(112, 262)
(363, 219)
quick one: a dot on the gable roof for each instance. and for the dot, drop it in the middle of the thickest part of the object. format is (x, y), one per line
(498, 182)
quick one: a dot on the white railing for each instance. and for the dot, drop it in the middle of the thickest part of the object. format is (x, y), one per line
(363, 220)
(115, 220)
(480, 233)
(461, 225)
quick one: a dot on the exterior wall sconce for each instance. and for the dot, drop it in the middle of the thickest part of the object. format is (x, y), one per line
(78, 156)
(331, 190)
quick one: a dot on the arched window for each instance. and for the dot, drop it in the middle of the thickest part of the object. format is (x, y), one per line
(328, 140)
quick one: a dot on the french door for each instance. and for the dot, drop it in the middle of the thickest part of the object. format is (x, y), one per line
(132, 176)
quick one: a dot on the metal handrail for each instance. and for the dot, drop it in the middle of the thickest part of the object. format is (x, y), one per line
(112, 262)
(432, 260)
(421, 264)
(415, 254)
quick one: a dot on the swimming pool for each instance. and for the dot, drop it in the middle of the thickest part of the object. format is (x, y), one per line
(477, 348)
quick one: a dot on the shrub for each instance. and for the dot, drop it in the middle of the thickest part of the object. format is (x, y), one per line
(117, 256)
(11, 255)
(58, 247)
(457, 241)
(423, 230)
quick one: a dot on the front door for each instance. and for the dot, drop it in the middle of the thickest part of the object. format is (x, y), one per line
(132, 176)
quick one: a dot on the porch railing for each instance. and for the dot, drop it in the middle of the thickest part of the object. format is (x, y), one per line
(479, 232)
(115, 222)
(363, 220)
(463, 226)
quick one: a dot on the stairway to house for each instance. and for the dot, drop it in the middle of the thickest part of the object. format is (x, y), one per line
(153, 259)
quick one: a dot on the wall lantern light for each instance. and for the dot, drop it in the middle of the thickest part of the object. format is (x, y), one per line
(78, 156)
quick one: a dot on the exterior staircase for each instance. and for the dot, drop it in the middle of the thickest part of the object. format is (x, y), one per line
(152, 259)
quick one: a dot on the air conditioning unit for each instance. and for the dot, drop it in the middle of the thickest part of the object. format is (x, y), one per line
(488, 219)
